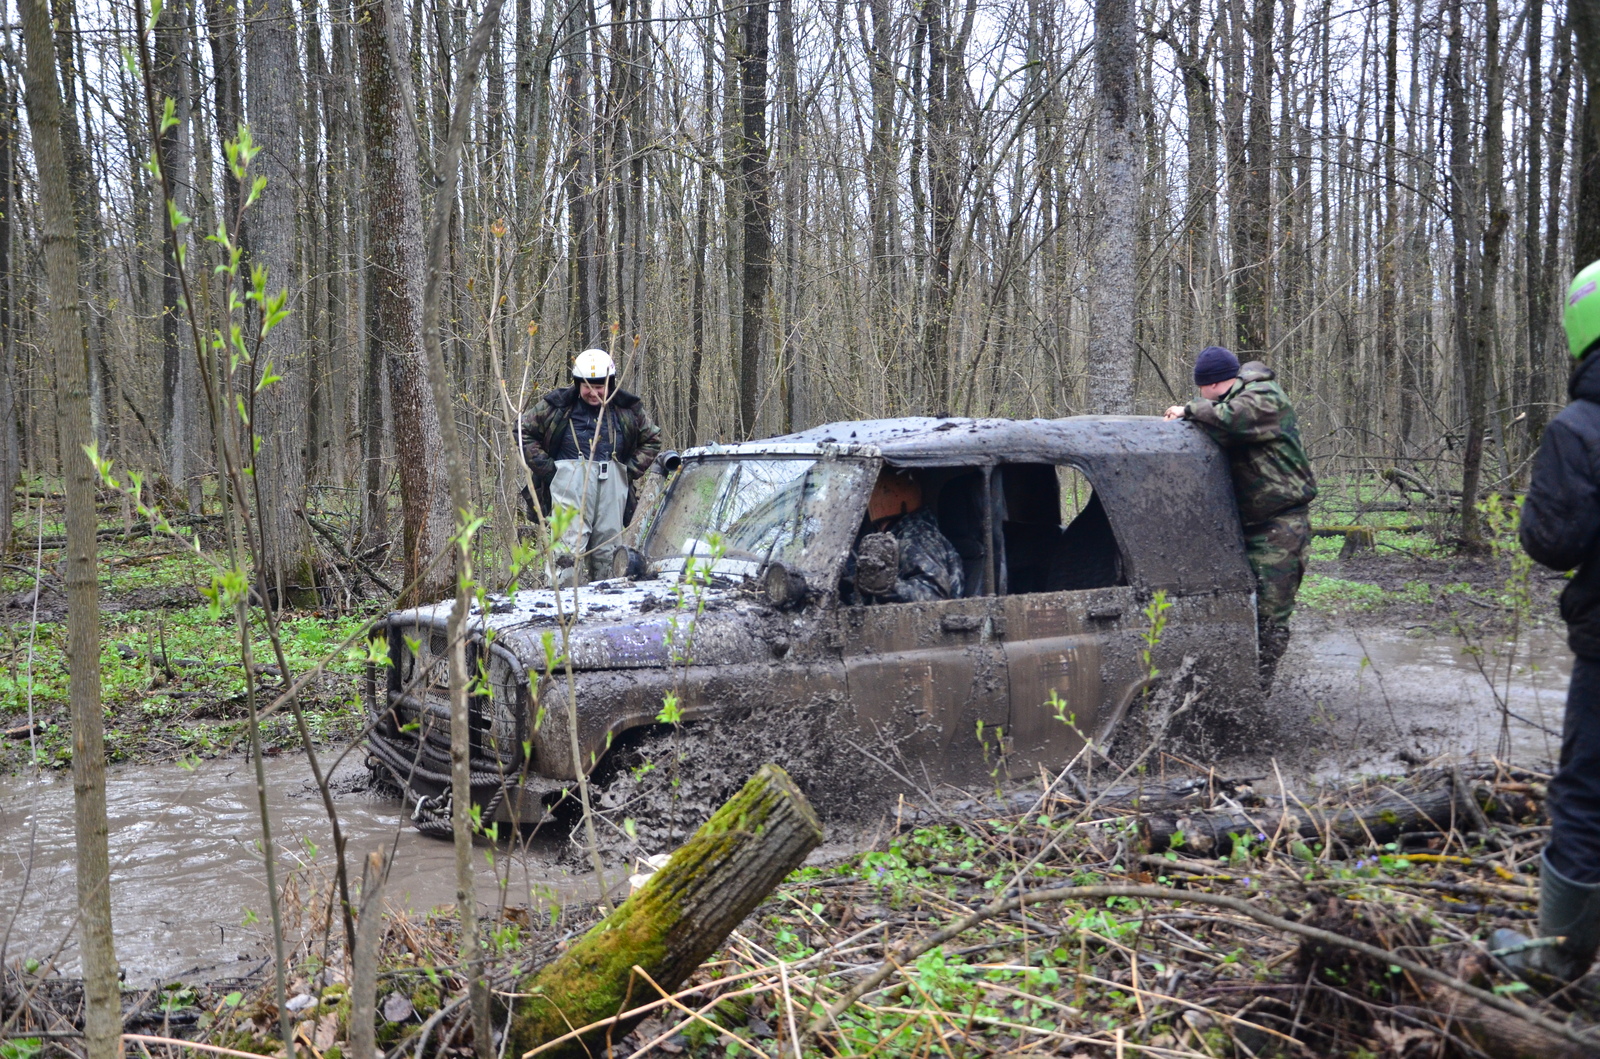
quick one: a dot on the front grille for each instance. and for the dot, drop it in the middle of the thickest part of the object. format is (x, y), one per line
(416, 725)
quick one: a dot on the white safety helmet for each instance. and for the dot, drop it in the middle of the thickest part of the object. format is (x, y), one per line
(594, 365)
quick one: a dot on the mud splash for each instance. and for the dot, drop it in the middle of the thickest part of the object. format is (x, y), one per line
(187, 878)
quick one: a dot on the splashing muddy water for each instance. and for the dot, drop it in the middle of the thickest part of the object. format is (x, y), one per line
(189, 900)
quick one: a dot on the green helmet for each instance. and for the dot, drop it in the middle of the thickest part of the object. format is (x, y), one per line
(1581, 317)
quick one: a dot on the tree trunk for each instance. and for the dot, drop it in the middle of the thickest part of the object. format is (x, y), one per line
(702, 215)
(1389, 251)
(1113, 290)
(1536, 291)
(1463, 234)
(222, 28)
(10, 450)
(64, 333)
(1478, 365)
(1550, 267)
(1585, 18)
(457, 476)
(586, 310)
(397, 263)
(942, 149)
(756, 187)
(791, 348)
(1253, 267)
(287, 572)
(677, 919)
(1211, 833)
(171, 77)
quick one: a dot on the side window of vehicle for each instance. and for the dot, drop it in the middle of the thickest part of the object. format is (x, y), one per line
(943, 534)
(1055, 533)
(959, 506)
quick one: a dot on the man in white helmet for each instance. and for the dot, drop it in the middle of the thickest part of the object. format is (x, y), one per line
(586, 445)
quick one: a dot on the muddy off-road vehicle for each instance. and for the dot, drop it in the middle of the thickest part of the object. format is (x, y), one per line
(736, 607)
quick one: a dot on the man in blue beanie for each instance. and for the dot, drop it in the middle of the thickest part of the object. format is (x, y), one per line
(1248, 414)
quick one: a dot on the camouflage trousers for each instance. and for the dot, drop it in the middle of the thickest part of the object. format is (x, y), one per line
(1277, 551)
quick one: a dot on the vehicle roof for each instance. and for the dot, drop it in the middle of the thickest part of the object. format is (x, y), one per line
(933, 441)
(1165, 485)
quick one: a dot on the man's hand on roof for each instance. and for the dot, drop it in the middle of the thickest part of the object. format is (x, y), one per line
(1175, 412)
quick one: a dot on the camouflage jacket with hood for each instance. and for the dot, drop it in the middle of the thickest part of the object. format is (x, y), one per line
(637, 440)
(1255, 423)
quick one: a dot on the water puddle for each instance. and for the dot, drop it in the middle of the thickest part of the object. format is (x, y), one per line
(188, 885)
(1361, 699)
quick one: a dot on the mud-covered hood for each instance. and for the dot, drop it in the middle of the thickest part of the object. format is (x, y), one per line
(616, 624)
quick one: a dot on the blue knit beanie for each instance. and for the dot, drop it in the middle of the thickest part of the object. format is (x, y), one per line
(1215, 364)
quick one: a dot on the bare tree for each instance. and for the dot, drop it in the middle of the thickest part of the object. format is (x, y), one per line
(756, 196)
(1112, 298)
(397, 275)
(64, 331)
(278, 412)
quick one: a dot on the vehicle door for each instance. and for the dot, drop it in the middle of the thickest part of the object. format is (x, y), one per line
(1072, 622)
(928, 680)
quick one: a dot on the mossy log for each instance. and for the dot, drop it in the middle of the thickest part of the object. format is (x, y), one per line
(681, 915)
(1393, 813)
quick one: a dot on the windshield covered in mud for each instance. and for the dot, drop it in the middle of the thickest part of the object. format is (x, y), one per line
(753, 510)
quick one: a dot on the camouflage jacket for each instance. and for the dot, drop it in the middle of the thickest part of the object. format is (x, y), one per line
(638, 439)
(930, 567)
(1255, 423)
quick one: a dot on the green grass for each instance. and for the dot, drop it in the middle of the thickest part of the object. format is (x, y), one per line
(172, 679)
(1334, 594)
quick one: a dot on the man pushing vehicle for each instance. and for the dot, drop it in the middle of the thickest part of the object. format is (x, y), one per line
(1248, 414)
(586, 445)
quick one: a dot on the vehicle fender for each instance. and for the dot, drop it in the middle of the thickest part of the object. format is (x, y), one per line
(611, 702)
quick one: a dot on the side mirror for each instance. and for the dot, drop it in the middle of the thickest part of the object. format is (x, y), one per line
(784, 586)
(667, 463)
(632, 564)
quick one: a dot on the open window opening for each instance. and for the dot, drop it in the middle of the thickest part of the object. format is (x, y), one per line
(1054, 534)
(1017, 528)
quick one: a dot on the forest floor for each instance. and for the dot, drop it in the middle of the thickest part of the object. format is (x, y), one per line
(1242, 951)
(1085, 977)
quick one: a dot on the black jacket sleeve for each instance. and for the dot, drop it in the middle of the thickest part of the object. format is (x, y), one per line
(1561, 515)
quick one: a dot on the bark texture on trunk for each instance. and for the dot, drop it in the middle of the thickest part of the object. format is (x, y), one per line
(1113, 292)
(1252, 266)
(396, 264)
(287, 561)
(756, 183)
(1428, 805)
(171, 77)
(64, 331)
(677, 919)
(1585, 18)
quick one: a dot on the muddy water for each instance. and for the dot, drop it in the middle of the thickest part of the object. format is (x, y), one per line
(1353, 698)
(187, 876)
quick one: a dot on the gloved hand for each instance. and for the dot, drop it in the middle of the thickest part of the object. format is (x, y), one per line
(877, 564)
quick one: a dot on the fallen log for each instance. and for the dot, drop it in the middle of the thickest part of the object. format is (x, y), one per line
(678, 918)
(1396, 811)
(1502, 1036)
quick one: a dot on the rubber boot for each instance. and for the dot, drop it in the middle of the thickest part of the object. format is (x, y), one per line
(1566, 909)
(1273, 641)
